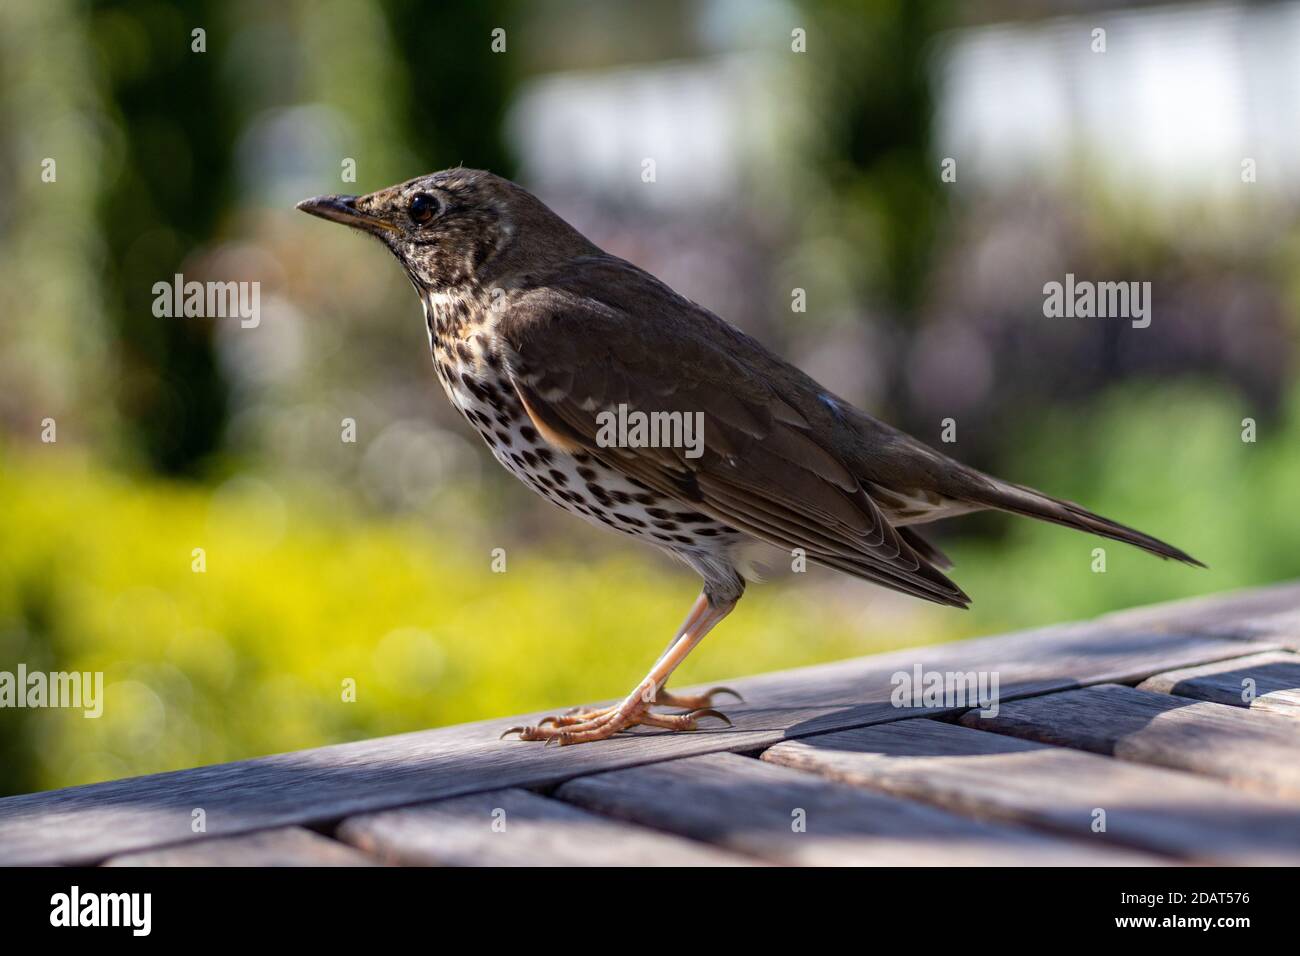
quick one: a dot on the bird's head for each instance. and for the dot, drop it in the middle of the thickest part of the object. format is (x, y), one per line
(455, 226)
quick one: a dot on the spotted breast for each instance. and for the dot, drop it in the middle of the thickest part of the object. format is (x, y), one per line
(471, 364)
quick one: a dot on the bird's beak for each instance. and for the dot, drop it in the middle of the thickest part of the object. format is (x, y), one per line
(344, 209)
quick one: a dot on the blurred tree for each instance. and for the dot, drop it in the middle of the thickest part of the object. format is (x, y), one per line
(175, 139)
(873, 137)
(458, 87)
(864, 192)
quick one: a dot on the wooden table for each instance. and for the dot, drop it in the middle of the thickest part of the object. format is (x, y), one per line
(1159, 735)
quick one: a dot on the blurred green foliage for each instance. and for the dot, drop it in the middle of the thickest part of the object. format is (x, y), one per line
(1170, 459)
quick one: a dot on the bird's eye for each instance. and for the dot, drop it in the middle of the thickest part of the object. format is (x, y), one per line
(422, 209)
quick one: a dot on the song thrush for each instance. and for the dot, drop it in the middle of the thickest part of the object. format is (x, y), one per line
(537, 336)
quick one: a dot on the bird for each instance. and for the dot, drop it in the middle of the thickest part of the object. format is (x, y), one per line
(538, 337)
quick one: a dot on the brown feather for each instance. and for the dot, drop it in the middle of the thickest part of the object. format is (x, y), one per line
(759, 473)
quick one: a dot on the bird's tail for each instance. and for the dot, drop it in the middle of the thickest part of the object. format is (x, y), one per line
(1021, 500)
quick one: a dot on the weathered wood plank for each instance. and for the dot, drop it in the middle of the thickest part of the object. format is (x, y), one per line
(85, 824)
(518, 828)
(1269, 613)
(759, 808)
(1255, 750)
(1268, 682)
(287, 846)
(991, 776)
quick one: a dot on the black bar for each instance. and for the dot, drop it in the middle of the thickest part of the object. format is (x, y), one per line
(618, 907)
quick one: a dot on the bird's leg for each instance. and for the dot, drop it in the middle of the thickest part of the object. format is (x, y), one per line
(635, 708)
(691, 701)
(663, 698)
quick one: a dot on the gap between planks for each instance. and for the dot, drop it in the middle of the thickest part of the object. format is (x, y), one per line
(1071, 792)
(515, 827)
(1269, 682)
(1254, 750)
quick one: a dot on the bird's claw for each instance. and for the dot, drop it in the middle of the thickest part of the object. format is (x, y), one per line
(725, 690)
(698, 715)
(599, 725)
(666, 698)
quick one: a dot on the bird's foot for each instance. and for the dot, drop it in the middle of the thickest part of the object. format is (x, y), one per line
(586, 726)
(689, 702)
(576, 715)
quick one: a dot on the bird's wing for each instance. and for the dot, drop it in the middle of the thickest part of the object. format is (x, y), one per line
(762, 469)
